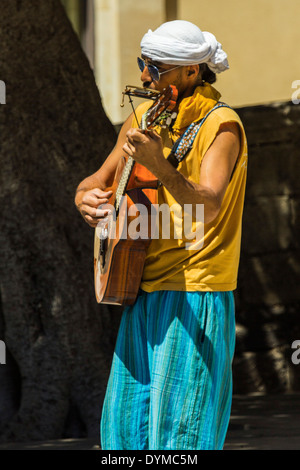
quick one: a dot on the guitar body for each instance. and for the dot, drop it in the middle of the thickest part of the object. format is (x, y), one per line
(119, 251)
(118, 271)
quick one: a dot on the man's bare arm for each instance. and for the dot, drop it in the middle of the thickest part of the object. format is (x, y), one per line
(216, 169)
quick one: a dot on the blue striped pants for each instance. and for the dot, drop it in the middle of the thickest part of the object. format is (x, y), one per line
(170, 385)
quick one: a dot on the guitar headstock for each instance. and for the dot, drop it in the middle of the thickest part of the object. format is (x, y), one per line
(166, 101)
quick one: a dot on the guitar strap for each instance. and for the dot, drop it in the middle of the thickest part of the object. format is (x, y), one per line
(184, 144)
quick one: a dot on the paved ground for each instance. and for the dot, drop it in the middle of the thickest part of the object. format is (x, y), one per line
(258, 422)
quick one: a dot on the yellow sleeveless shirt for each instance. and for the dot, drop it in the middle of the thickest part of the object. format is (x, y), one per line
(212, 263)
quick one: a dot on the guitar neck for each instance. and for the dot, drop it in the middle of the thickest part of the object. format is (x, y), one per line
(123, 182)
(126, 173)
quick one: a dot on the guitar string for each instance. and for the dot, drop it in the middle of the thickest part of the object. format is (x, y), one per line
(128, 166)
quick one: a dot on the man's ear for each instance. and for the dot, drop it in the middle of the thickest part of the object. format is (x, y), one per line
(193, 70)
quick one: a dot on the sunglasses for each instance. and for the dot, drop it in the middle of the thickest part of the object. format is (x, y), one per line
(153, 70)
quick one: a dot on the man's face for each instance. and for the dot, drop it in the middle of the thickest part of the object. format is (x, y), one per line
(168, 75)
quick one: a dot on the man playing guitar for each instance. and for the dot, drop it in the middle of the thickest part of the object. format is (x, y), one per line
(170, 385)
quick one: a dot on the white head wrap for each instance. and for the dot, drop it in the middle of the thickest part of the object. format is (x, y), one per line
(183, 43)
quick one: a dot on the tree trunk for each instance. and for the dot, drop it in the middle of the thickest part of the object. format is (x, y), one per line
(54, 132)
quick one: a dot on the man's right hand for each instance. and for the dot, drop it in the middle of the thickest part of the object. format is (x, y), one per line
(88, 205)
(87, 199)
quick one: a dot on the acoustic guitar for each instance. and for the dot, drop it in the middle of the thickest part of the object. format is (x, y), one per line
(118, 256)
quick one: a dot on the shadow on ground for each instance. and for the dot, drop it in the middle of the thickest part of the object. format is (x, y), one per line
(258, 422)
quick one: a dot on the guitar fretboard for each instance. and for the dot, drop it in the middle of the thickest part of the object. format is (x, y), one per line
(123, 182)
(126, 172)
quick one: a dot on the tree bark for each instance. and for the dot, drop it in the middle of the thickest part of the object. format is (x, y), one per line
(54, 132)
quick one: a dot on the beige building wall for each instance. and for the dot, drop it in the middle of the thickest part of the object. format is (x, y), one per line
(119, 27)
(261, 38)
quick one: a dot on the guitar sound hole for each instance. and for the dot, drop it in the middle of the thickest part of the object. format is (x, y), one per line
(103, 249)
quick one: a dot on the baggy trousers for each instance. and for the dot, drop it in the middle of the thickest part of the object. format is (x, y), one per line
(170, 385)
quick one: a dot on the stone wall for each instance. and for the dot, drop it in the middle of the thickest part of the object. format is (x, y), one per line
(268, 295)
